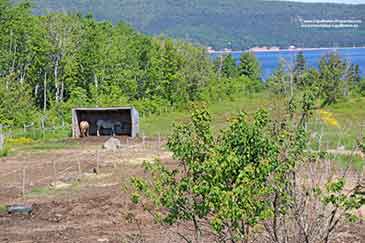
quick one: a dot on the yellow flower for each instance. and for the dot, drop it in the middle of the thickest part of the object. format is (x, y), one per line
(19, 141)
(328, 118)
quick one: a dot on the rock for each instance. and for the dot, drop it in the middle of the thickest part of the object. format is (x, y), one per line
(19, 208)
(103, 240)
(112, 144)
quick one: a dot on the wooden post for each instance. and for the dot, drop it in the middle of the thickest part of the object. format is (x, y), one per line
(97, 162)
(320, 139)
(23, 182)
(1, 138)
(79, 167)
(159, 143)
(54, 173)
(143, 141)
(42, 127)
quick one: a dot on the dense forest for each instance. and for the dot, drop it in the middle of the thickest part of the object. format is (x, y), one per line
(49, 64)
(225, 23)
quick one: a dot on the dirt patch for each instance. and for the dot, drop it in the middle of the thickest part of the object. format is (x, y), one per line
(94, 211)
(94, 208)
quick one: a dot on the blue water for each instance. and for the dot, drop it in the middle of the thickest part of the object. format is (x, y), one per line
(270, 60)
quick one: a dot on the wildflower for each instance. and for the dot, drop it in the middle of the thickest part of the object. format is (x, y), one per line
(328, 118)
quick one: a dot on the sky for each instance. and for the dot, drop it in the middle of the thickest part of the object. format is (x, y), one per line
(333, 1)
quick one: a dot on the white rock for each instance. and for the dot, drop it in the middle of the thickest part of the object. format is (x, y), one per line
(112, 144)
(103, 240)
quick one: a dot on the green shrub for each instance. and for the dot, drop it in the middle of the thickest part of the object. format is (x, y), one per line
(5, 151)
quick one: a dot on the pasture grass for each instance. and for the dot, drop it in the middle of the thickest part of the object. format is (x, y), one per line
(3, 208)
(349, 113)
(220, 112)
(39, 192)
(35, 139)
(37, 134)
(52, 145)
(352, 161)
(45, 191)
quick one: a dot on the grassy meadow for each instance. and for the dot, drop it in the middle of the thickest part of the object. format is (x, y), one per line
(349, 116)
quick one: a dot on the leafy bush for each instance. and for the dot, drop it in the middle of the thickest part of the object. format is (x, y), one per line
(253, 173)
(4, 151)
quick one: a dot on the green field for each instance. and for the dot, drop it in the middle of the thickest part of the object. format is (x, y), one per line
(221, 112)
(349, 114)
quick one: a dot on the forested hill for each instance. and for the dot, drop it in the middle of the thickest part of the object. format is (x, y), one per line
(244, 23)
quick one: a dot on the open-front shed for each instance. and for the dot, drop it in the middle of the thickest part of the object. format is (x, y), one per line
(125, 121)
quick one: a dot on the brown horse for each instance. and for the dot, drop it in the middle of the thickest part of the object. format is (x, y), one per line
(84, 128)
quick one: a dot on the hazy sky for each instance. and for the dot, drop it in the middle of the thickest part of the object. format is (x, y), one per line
(333, 1)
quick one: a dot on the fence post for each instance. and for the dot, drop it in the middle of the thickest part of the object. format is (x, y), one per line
(159, 144)
(97, 162)
(1, 138)
(23, 182)
(143, 141)
(79, 165)
(54, 173)
(43, 127)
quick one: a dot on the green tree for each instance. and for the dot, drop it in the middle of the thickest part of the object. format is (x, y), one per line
(333, 78)
(360, 87)
(249, 66)
(224, 182)
(279, 80)
(248, 175)
(64, 36)
(229, 67)
(299, 69)
(16, 104)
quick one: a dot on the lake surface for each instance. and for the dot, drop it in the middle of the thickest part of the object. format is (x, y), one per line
(270, 60)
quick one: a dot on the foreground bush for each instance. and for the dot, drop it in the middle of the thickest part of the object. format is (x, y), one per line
(246, 182)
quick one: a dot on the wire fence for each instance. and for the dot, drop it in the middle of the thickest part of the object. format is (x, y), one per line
(322, 137)
(65, 169)
(35, 131)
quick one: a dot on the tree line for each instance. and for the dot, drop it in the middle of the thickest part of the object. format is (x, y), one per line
(334, 80)
(50, 64)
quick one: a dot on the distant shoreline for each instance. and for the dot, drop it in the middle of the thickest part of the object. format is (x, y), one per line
(287, 50)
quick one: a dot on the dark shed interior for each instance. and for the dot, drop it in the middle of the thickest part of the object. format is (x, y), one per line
(92, 116)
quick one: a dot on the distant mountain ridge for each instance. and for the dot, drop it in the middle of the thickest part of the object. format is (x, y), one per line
(226, 23)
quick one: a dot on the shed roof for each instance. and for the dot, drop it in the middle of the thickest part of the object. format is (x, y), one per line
(104, 108)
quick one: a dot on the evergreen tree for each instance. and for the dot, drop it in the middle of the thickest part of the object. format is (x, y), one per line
(299, 69)
(355, 73)
(333, 80)
(229, 68)
(278, 82)
(300, 63)
(249, 66)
